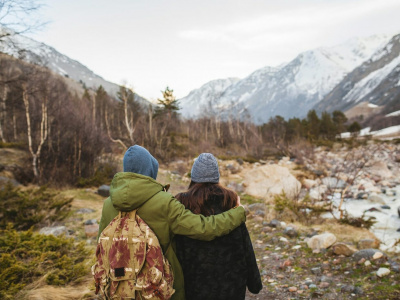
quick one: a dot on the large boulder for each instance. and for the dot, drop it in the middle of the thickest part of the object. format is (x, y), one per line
(380, 168)
(321, 241)
(268, 180)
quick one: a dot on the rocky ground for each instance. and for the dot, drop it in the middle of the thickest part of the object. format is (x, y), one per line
(297, 260)
(290, 269)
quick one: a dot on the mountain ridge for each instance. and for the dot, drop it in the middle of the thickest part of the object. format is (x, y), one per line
(34, 52)
(301, 83)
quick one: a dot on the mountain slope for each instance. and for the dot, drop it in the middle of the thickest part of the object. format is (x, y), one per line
(375, 81)
(293, 89)
(199, 101)
(38, 53)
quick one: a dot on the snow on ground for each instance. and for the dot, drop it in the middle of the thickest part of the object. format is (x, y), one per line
(387, 131)
(367, 131)
(387, 220)
(393, 114)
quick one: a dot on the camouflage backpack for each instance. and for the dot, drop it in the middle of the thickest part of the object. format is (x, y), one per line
(130, 263)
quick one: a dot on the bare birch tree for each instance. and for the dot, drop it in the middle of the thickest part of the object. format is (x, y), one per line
(43, 128)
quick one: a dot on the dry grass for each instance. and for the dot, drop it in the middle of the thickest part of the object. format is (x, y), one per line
(345, 233)
(40, 291)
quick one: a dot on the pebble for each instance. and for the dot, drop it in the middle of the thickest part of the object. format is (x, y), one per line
(274, 223)
(296, 247)
(316, 271)
(290, 231)
(358, 291)
(367, 263)
(377, 255)
(293, 289)
(383, 272)
(324, 285)
(312, 286)
(283, 239)
(90, 222)
(347, 289)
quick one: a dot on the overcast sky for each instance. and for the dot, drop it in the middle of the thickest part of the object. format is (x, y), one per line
(149, 44)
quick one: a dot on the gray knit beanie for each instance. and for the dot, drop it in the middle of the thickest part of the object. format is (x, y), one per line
(205, 169)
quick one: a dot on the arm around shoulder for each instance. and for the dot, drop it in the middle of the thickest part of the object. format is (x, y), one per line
(182, 221)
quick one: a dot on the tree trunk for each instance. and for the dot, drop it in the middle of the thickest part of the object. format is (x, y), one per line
(43, 132)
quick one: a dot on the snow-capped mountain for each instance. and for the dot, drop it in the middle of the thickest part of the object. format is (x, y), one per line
(201, 100)
(293, 89)
(376, 81)
(38, 53)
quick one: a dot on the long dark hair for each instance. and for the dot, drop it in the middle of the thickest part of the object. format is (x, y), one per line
(199, 196)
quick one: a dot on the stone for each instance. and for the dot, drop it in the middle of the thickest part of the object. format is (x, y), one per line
(377, 255)
(293, 289)
(284, 240)
(366, 254)
(290, 231)
(333, 183)
(56, 231)
(347, 288)
(90, 222)
(259, 212)
(324, 285)
(343, 249)
(91, 230)
(382, 272)
(237, 187)
(104, 190)
(256, 206)
(240, 161)
(367, 263)
(316, 271)
(268, 180)
(309, 183)
(321, 241)
(362, 196)
(6, 180)
(274, 223)
(325, 279)
(358, 291)
(380, 168)
(391, 193)
(233, 167)
(312, 286)
(376, 199)
(385, 206)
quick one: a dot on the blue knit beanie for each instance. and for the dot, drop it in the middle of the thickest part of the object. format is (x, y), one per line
(205, 169)
(138, 160)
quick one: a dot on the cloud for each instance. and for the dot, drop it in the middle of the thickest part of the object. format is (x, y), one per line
(282, 28)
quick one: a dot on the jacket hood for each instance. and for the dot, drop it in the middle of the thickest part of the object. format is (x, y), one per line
(138, 160)
(128, 191)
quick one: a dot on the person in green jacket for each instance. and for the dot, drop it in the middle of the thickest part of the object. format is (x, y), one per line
(136, 188)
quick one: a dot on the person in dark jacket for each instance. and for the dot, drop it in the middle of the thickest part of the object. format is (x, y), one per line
(219, 269)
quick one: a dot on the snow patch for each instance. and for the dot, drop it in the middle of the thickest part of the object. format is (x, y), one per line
(393, 114)
(370, 82)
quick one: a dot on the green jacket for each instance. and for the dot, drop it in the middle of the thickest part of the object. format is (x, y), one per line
(166, 216)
